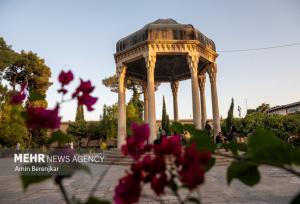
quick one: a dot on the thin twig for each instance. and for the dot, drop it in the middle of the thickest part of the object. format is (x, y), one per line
(286, 168)
(64, 193)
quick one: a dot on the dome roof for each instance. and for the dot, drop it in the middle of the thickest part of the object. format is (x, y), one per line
(164, 29)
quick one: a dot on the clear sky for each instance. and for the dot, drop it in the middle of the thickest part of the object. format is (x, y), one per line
(81, 36)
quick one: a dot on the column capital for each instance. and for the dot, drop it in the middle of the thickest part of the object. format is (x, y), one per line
(201, 81)
(150, 60)
(121, 73)
(174, 87)
(212, 72)
(193, 60)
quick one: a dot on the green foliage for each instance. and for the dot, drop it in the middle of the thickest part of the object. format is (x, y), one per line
(29, 68)
(79, 113)
(27, 180)
(296, 200)
(137, 104)
(202, 140)
(7, 55)
(59, 137)
(245, 172)
(280, 125)
(12, 126)
(109, 121)
(93, 200)
(132, 115)
(177, 127)
(229, 119)
(233, 146)
(78, 129)
(262, 108)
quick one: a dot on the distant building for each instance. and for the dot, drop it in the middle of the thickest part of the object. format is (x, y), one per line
(293, 108)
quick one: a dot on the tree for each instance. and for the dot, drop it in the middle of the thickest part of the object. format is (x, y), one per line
(165, 118)
(229, 120)
(262, 108)
(79, 128)
(7, 55)
(30, 69)
(137, 104)
(12, 126)
(109, 121)
(79, 113)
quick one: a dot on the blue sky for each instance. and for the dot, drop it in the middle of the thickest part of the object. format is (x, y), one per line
(81, 36)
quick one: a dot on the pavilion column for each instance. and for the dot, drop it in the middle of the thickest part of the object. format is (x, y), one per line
(193, 60)
(202, 80)
(150, 60)
(174, 87)
(121, 106)
(146, 104)
(212, 71)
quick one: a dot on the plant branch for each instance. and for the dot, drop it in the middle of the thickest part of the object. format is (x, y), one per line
(286, 168)
(63, 191)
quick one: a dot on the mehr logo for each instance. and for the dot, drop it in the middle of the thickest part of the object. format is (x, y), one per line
(29, 158)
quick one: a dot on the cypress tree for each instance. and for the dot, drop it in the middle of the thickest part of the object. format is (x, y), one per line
(229, 120)
(164, 118)
(79, 113)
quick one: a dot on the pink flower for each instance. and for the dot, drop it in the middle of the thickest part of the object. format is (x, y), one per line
(87, 100)
(192, 171)
(20, 96)
(65, 77)
(158, 183)
(83, 96)
(168, 146)
(135, 144)
(84, 87)
(128, 190)
(38, 118)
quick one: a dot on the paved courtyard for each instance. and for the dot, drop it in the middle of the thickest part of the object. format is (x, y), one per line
(277, 187)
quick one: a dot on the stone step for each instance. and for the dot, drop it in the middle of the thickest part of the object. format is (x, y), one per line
(115, 157)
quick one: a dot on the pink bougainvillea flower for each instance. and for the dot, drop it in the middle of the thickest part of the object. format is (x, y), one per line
(83, 96)
(20, 96)
(65, 77)
(192, 171)
(135, 144)
(158, 183)
(128, 190)
(87, 100)
(84, 87)
(38, 118)
(168, 146)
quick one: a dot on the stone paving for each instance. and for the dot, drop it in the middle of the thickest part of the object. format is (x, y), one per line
(276, 187)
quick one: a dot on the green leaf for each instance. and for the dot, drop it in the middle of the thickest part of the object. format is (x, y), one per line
(60, 137)
(295, 156)
(203, 141)
(296, 200)
(232, 146)
(262, 138)
(193, 200)
(177, 127)
(244, 171)
(37, 177)
(265, 147)
(36, 96)
(210, 164)
(93, 200)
